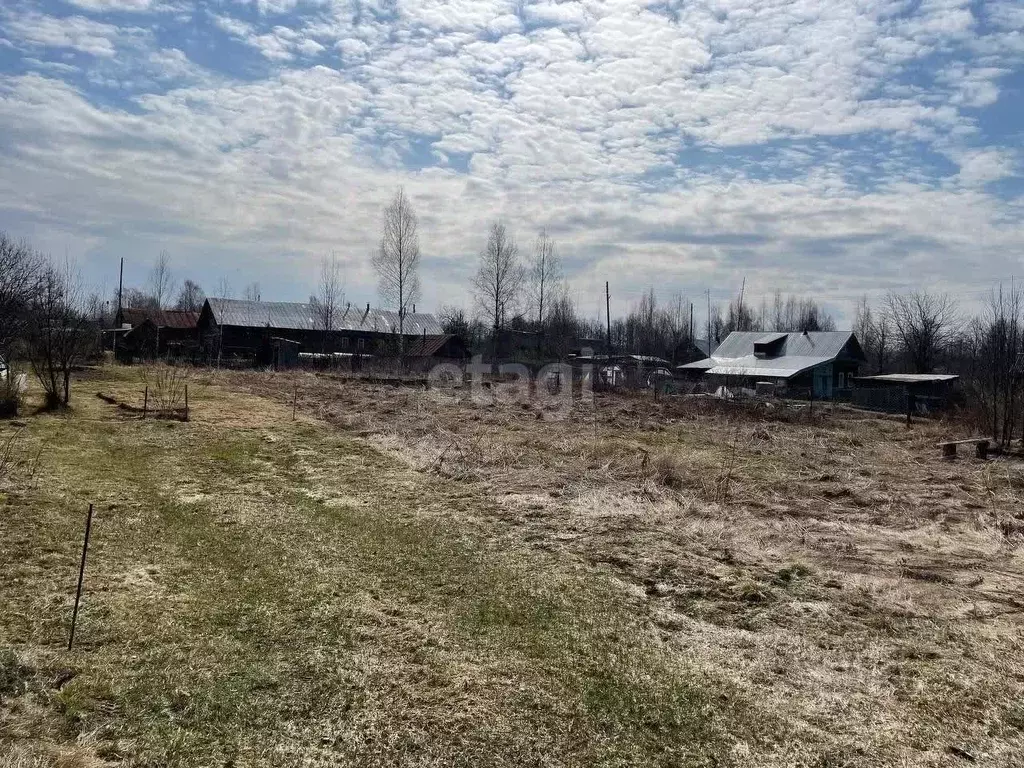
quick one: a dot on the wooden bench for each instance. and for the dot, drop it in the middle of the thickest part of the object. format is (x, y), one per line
(981, 445)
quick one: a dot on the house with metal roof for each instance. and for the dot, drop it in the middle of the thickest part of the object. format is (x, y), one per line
(148, 333)
(822, 364)
(234, 328)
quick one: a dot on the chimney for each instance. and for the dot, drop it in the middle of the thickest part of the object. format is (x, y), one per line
(367, 312)
(414, 309)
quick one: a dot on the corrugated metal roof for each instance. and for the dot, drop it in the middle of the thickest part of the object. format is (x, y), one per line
(775, 368)
(910, 378)
(697, 365)
(161, 318)
(295, 316)
(826, 344)
(426, 346)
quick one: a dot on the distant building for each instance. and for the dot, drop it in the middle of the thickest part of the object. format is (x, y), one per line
(822, 364)
(156, 333)
(237, 329)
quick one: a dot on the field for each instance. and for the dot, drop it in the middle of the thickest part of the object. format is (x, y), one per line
(398, 577)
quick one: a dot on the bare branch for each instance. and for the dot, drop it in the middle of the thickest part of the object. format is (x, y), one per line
(397, 260)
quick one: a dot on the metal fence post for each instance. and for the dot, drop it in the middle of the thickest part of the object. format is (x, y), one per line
(81, 577)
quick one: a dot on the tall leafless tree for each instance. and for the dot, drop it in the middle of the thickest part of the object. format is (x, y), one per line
(58, 331)
(498, 280)
(161, 280)
(329, 299)
(224, 289)
(924, 323)
(251, 292)
(20, 268)
(874, 332)
(190, 297)
(544, 278)
(397, 260)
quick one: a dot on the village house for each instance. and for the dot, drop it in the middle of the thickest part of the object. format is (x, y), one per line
(154, 333)
(820, 364)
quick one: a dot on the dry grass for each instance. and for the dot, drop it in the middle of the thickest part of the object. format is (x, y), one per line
(829, 565)
(268, 591)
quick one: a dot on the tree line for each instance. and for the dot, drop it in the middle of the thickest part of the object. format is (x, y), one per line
(45, 317)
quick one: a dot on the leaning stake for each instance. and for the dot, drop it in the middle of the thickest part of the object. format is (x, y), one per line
(81, 577)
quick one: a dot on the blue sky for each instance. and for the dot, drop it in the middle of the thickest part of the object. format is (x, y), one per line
(835, 148)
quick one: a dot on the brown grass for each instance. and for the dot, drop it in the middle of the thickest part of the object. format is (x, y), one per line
(830, 565)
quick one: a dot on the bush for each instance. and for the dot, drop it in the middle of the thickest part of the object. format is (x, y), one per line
(166, 386)
(10, 396)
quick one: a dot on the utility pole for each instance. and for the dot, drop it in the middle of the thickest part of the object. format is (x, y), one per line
(692, 340)
(708, 292)
(120, 287)
(608, 316)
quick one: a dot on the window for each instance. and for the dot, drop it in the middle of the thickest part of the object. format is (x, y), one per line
(344, 342)
(361, 344)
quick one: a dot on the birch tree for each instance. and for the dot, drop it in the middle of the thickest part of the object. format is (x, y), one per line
(397, 260)
(329, 298)
(499, 278)
(544, 278)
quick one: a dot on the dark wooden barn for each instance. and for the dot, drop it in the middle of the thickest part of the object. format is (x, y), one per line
(240, 331)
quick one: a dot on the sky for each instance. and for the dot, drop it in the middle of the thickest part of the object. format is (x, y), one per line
(832, 148)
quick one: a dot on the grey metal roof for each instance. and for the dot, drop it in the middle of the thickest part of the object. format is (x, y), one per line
(774, 368)
(910, 378)
(799, 352)
(697, 365)
(294, 316)
(827, 344)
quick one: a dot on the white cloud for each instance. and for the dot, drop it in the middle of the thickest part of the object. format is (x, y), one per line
(113, 5)
(575, 125)
(74, 32)
(982, 166)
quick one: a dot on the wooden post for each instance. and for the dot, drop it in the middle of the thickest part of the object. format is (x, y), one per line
(295, 399)
(186, 402)
(982, 449)
(145, 402)
(81, 577)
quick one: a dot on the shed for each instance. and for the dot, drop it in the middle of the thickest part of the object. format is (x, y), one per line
(905, 392)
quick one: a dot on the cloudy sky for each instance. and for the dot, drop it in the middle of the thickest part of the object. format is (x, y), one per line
(831, 147)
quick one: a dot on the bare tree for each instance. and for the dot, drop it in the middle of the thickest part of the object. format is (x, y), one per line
(190, 297)
(499, 279)
(924, 323)
(397, 260)
(330, 297)
(678, 323)
(544, 278)
(20, 267)
(224, 289)
(58, 331)
(874, 332)
(251, 292)
(133, 298)
(161, 280)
